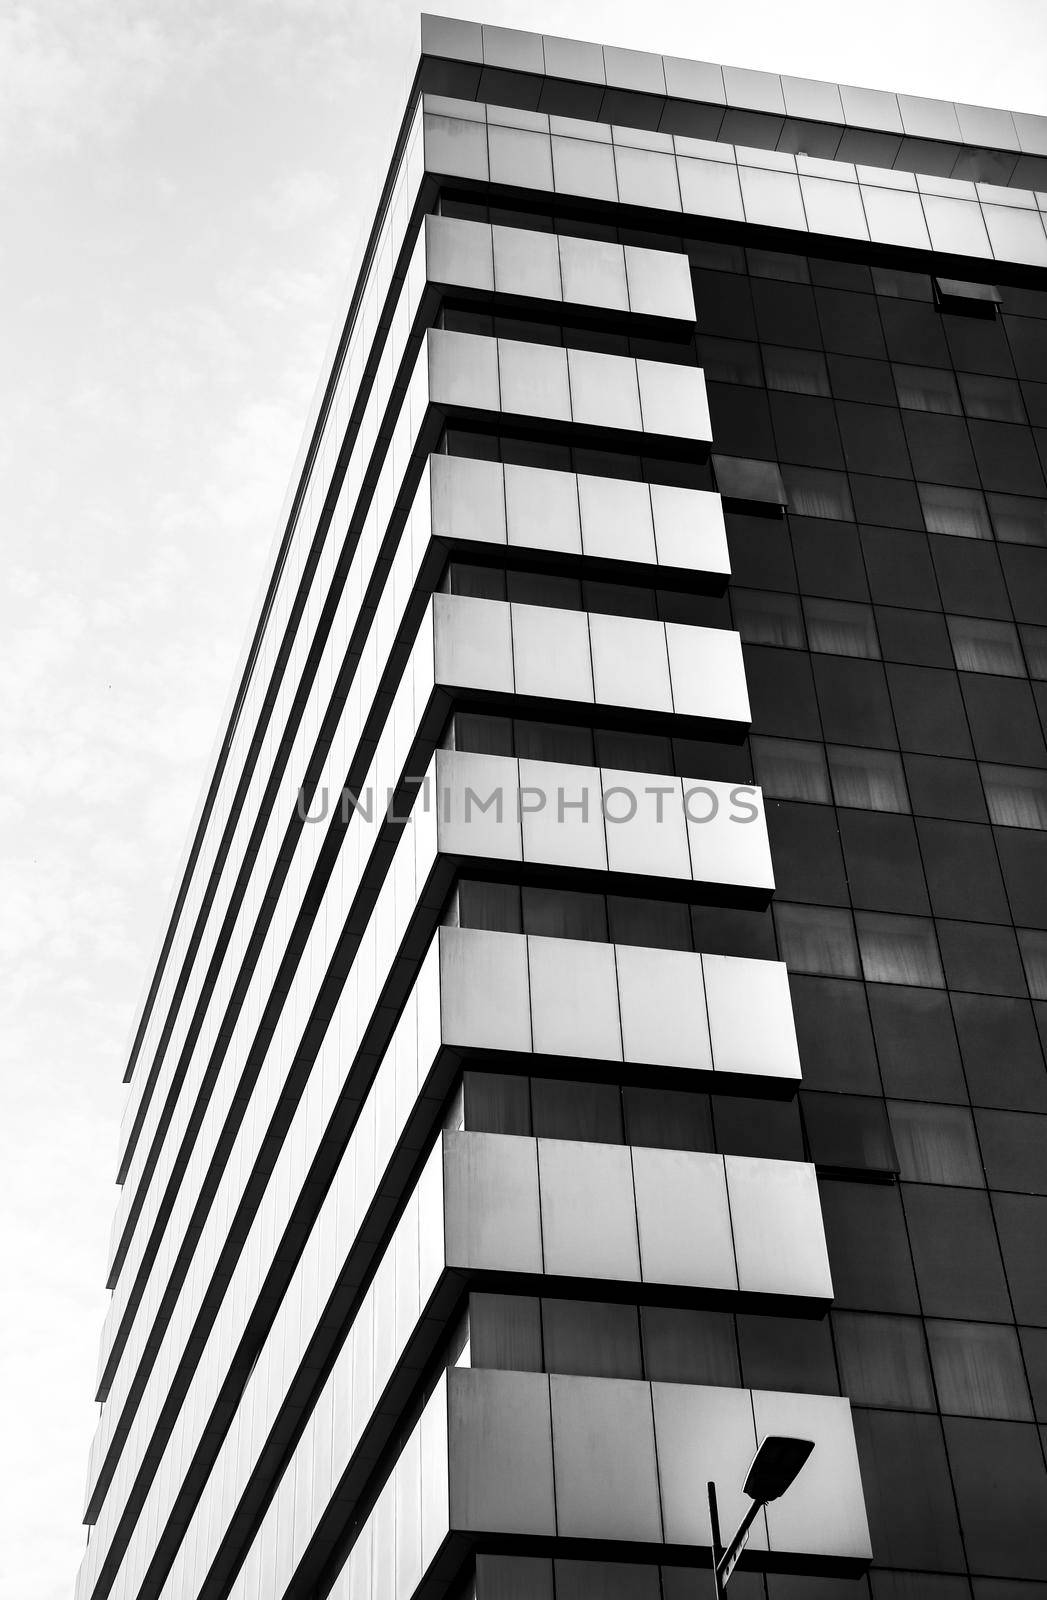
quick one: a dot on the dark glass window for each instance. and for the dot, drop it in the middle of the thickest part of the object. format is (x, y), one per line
(690, 1346)
(883, 1360)
(729, 360)
(984, 645)
(505, 1332)
(960, 512)
(1018, 519)
(816, 493)
(1001, 1052)
(899, 950)
(1022, 1221)
(791, 769)
(492, 736)
(1014, 1149)
(795, 371)
(545, 589)
(590, 1112)
(916, 1043)
(829, 558)
(919, 638)
(1005, 1531)
(564, 913)
(869, 780)
(817, 939)
(834, 1034)
(848, 1132)
(495, 906)
(772, 619)
(496, 1102)
(957, 1257)
(787, 1353)
(838, 627)
(482, 583)
(594, 1337)
(668, 1119)
(748, 1126)
(978, 1370)
(553, 741)
(633, 752)
(868, 1246)
(997, 398)
(940, 448)
(858, 378)
(936, 1144)
(663, 925)
(943, 787)
(912, 1514)
(1034, 643)
(926, 389)
(1033, 945)
(1016, 796)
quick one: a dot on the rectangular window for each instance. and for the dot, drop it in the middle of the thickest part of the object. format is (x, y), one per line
(1033, 943)
(481, 735)
(564, 913)
(815, 493)
(883, 1360)
(582, 1336)
(899, 950)
(849, 1133)
(817, 939)
(763, 618)
(1016, 796)
(1019, 519)
(841, 628)
(495, 906)
(980, 645)
(926, 389)
(730, 361)
(659, 924)
(978, 1370)
(960, 512)
(868, 780)
(997, 398)
(936, 1144)
(795, 371)
(791, 769)
(553, 741)
(1034, 643)
(481, 583)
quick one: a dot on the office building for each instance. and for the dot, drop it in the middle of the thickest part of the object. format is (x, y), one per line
(602, 1019)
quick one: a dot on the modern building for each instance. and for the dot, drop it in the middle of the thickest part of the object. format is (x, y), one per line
(663, 1068)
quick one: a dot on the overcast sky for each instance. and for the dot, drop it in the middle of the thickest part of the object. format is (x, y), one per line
(186, 189)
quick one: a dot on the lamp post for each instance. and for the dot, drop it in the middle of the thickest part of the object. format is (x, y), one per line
(773, 1468)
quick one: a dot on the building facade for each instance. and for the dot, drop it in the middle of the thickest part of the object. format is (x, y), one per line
(602, 1019)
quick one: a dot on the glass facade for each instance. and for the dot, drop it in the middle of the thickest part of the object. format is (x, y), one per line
(603, 1019)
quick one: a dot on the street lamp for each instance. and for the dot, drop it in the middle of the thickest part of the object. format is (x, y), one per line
(773, 1468)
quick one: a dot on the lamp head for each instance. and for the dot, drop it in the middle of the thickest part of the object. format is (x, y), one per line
(775, 1465)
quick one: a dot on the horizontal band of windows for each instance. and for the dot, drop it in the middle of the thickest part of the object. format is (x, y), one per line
(838, 1133)
(720, 247)
(574, 913)
(564, 592)
(890, 948)
(616, 1339)
(626, 749)
(610, 336)
(874, 780)
(992, 646)
(719, 255)
(862, 380)
(534, 448)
